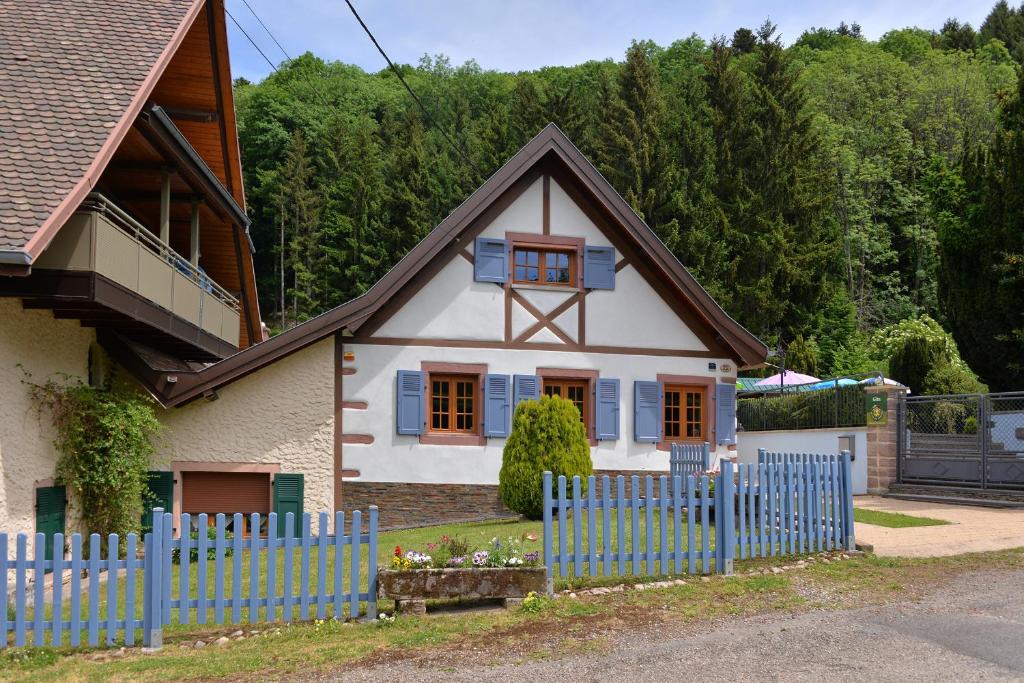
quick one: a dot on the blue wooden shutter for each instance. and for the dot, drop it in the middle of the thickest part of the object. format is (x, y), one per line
(490, 260)
(646, 411)
(409, 411)
(598, 267)
(725, 413)
(497, 405)
(289, 492)
(525, 388)
(607, 409)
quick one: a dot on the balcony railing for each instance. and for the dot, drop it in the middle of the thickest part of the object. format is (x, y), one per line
(103, 238)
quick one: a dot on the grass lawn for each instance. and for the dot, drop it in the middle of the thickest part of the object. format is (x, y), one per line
(559, 627)
(893, 520)
(478, 534)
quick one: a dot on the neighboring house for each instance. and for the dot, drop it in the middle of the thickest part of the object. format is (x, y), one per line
(122, 221)
(543, 282)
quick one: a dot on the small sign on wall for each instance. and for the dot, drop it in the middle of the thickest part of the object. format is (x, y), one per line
(878, 409)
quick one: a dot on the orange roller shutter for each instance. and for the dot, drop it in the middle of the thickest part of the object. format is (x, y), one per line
(226, 492)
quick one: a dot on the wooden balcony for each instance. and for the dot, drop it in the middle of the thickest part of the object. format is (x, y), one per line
(109, 271)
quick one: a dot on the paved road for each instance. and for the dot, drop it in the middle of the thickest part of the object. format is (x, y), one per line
(972, 629)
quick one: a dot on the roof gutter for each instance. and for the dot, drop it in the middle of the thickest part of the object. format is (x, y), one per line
(164, 121)
(15, 257)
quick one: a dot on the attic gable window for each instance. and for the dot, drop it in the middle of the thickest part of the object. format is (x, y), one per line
(534, 265)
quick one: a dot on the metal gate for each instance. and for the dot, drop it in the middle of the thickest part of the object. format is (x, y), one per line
(974, 440)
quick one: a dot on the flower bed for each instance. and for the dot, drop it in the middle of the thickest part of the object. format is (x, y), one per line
(453, 569)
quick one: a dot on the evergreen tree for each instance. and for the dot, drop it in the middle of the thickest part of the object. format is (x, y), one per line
(743, 41)
(635, 157)
(981, 220)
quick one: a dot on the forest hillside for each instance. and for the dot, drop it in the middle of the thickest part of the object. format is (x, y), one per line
(858, 204)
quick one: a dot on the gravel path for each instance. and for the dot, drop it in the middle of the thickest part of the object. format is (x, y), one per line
(971, 629)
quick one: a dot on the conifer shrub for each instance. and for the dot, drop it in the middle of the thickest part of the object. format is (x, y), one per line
(546, 435)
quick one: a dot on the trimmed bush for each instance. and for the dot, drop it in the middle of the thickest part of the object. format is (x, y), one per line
(546, 435)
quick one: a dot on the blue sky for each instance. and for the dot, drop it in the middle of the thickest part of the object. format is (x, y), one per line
(514, 35)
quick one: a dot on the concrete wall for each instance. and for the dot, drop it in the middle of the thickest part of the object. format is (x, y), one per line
(278, 419)
(46, 348)
(824, 441)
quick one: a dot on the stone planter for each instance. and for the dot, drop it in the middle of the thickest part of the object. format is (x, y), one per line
(411, 588)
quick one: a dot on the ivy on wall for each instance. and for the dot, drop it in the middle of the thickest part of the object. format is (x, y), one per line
(105, 437)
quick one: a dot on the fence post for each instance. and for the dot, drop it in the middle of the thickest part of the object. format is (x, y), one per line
(705, 456)
(548, 541)
(762, 455)
(726, 530)
(848, 526)
(153, 633)
(371, 579)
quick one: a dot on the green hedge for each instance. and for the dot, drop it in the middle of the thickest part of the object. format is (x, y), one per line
(807, 410)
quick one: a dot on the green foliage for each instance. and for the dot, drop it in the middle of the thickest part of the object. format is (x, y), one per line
(547, 435)
(802, 356)
(104, 440)
(950, 378)
(979, 209)
(924, 357)
(211, 551)
(806, 410)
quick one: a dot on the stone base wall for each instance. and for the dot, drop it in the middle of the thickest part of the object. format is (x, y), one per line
(412, 505)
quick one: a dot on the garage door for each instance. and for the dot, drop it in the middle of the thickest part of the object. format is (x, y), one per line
(227, 492)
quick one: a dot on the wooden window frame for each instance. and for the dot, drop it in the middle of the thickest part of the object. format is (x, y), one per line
(707, 384)
(544, 244)
(474, 371)
(543, 267)
(452, 384)
(589, 377)
(683, 423)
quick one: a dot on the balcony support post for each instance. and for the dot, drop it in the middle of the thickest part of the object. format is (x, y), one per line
(193, 255)
(165, 206)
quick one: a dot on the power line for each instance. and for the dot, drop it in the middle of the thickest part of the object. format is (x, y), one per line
(459, 149)
(246, 34)
(279, 46)
(430, 119)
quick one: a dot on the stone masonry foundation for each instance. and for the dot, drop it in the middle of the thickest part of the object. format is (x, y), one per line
(412, 505)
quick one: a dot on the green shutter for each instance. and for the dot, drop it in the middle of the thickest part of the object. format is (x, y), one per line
(288, 495)
(51, 501)
(160, 495)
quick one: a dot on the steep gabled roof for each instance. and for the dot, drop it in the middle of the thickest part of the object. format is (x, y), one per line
(73, 77)
(552, 146)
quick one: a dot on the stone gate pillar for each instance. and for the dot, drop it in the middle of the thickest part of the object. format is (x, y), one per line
(881, 441)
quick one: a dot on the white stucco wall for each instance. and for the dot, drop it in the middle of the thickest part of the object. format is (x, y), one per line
(451, 306)
(282, 414)
(633, 314)
(47, 348)
(824, 441)
(396, 458)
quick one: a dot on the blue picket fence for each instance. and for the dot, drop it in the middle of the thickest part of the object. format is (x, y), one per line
(643, 530)
(788, 504)
(226, 578)
(686, 459)
(661, 525)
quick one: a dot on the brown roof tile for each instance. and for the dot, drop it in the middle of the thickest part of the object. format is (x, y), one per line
(69, 71)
